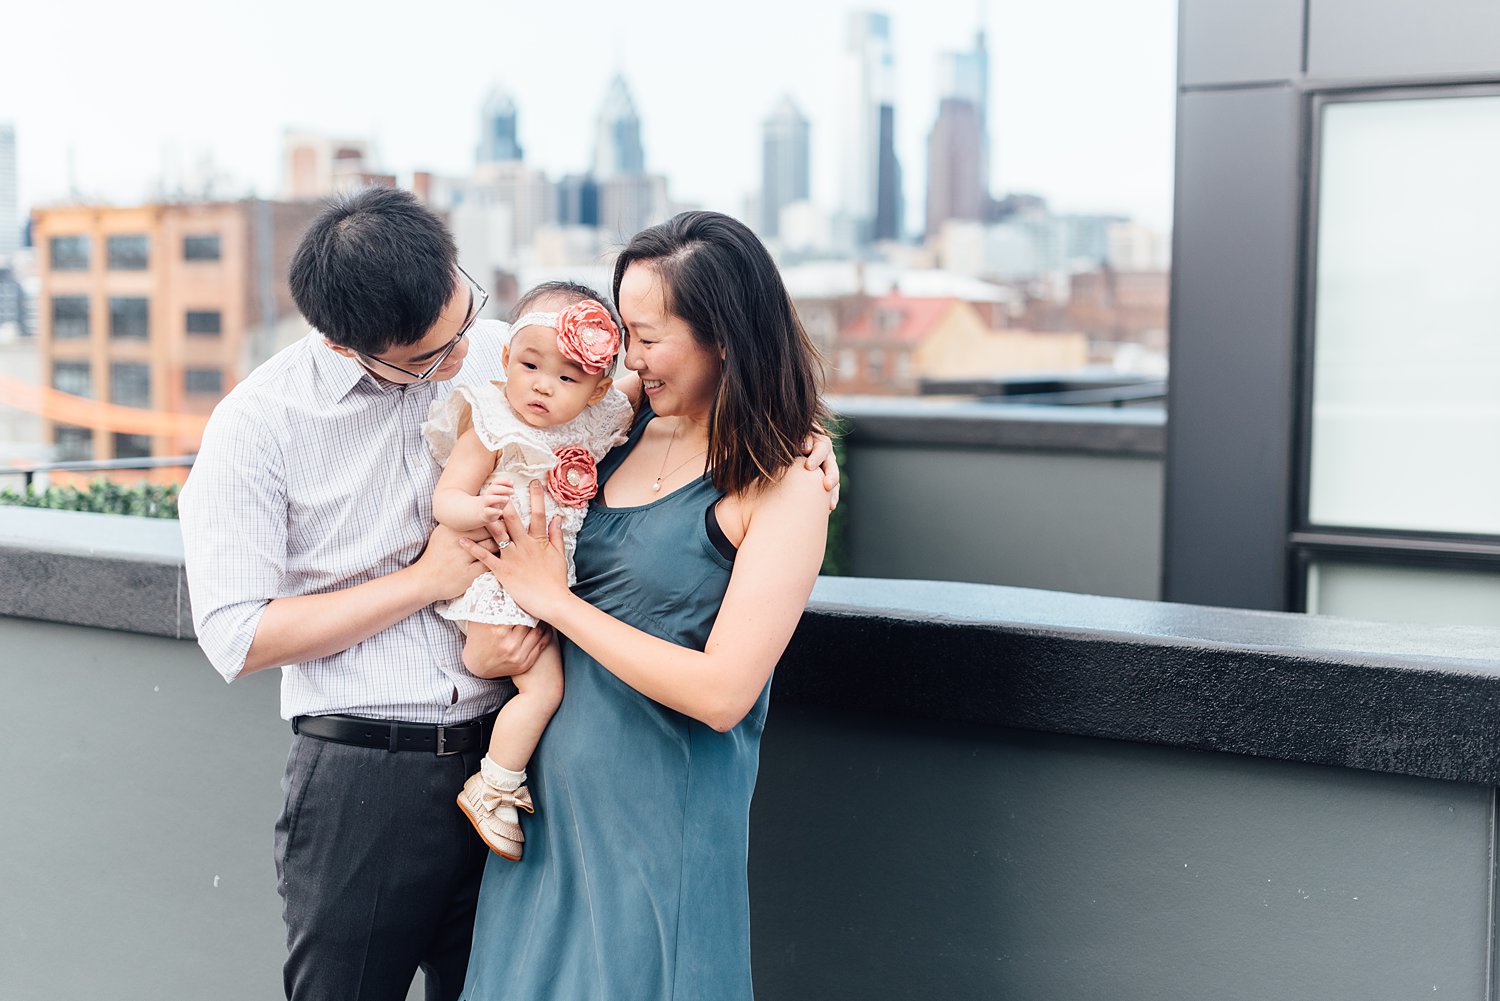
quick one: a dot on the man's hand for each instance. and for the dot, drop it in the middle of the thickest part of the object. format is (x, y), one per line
(819, 452)
(445, 569)
(503, 651)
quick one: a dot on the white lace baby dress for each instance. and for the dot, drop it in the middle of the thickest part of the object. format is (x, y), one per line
(522, 454)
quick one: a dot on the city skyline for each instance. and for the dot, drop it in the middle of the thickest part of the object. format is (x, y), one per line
(1059, 122)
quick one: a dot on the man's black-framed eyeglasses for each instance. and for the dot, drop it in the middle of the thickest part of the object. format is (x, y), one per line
(477, 298)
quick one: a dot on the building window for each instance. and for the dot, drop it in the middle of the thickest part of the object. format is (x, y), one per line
(132, 446)
(130, 384)
(70, 316)
(72, 444)
(1399, 463)
(204, 321)
(201, 248)
(203, 380)
(70, 253)
(127, 253)
(129, 317)
(875, 363)
(72, 377)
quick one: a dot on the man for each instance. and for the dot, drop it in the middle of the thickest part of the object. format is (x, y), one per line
(305, 525)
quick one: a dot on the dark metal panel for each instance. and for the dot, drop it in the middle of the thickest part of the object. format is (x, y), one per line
(1402, 38)
(1248, 41)
(1233, 323)
(892, 858)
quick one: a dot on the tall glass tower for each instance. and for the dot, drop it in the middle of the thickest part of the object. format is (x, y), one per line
(869, 174)
(498, 139)
(785, 161)
(617, 135)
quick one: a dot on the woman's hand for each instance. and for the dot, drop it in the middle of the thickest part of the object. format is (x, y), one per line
(819, 452)
(529, 563)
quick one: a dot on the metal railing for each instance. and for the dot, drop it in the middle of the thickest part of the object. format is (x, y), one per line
(98, 466)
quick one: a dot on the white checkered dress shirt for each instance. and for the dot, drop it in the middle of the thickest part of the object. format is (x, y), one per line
(313, 477)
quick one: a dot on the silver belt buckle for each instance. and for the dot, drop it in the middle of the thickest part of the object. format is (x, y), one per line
(442, 743)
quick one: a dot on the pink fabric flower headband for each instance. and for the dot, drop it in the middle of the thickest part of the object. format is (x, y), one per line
(586, 335)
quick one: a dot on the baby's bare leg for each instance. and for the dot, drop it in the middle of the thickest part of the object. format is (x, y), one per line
(519, 726)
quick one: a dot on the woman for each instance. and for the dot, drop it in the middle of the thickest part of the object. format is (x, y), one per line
(694, 565)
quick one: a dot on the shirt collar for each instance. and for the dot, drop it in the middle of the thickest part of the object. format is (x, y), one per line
(338, 375)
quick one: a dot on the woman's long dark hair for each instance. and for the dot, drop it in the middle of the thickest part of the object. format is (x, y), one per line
(719, 279)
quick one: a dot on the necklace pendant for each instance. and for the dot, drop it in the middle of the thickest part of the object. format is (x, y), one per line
(656, 486)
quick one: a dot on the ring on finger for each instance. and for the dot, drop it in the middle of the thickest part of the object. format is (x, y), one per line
(502, 544)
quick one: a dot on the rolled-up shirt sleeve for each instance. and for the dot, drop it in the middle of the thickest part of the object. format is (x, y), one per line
(233, 511)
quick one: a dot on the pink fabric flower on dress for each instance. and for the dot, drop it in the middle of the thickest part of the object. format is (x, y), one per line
(587, 336)
(575, 478)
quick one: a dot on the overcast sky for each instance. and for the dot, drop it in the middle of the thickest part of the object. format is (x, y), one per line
(113, 93)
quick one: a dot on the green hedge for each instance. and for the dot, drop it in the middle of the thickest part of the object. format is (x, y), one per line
(101, 497)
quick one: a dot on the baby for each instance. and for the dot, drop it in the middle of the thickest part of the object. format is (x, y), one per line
(552, 416)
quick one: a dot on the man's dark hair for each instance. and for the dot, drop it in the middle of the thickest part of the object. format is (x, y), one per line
(374, 270)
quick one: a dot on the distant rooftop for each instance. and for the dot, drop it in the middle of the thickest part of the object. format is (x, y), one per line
(834, 279)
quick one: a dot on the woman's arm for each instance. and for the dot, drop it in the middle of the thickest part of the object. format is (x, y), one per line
(773, 575)
(458, 502)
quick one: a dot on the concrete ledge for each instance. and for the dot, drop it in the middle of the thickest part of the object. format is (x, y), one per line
(1410, 700)
(1097, 430)
(104, 570)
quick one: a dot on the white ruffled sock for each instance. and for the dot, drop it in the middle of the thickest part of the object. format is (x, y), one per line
(496, 776)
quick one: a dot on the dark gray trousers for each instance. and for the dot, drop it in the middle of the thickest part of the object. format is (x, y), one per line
(378, 872)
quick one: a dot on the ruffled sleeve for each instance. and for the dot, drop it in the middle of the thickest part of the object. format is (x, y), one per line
(608, 423)
(447, 418)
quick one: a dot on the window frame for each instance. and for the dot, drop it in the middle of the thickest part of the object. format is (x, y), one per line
(1308, 542)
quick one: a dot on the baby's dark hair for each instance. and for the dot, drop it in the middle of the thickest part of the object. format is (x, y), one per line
(573, 291)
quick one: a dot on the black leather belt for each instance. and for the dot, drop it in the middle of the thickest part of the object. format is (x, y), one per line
(393, 735)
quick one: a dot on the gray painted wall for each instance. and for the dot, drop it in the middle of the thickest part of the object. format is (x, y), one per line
(1068, 499)
(141, 791)
(1065, 522)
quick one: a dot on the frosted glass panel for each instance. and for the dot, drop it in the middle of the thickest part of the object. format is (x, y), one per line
(1434, 596)
(1406, 371)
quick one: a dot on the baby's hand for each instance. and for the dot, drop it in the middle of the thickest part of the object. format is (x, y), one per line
(492, 500)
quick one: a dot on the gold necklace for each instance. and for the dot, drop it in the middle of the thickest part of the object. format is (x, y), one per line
(664, 472)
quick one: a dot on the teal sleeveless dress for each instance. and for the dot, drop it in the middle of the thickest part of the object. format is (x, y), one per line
(633, 885)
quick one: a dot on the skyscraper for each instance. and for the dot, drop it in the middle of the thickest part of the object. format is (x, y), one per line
(629, 198)
(785, 160)
(617, 135)
(10, 224)
(889, 204)
(498, 140)
(957, 146)
(869, 174)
